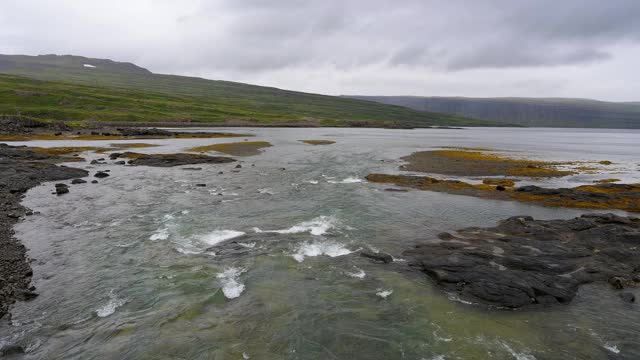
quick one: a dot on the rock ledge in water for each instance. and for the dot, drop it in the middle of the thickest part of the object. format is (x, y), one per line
(169, 160)
(524, 262)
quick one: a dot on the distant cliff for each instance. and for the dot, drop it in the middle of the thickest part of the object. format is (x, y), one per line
(535, 112)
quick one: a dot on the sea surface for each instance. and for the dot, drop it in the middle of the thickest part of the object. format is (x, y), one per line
(262, 263)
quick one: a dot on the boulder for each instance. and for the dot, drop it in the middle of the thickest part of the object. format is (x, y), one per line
(101, 174)
(78, 181)
(61, 189)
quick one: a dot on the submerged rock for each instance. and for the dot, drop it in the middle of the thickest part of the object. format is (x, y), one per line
(378, 257)
(78, 181)
(524, 262)
(627, 297)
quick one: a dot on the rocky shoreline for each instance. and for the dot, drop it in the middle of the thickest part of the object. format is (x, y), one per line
(21, 168)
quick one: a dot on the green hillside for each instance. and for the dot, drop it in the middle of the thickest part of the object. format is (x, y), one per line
(534, 112)
(82, 89)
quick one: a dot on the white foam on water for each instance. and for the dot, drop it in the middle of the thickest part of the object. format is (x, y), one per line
(311, 181)
(188, 250)
(265, 191)
(517, 355)
(358, 274)
(218, 236)
(231, 286)
(317, 226)
(331, 249)
(384, 293)
(349, 180)
(611, 347)
(89, 66)
(245, 356)
(111, 306)
(247, 245)
(440, 338)
(160, 234)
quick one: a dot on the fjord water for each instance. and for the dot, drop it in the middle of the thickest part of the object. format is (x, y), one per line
(262, 263)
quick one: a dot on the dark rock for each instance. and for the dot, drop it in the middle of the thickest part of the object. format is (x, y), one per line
(525, 262)
(396, 190)
(121, 162)
(14, 215)
(94, 181)
(192, 168)
(78, 181)
(500, 188)
(201, 185)
(101, 174)
(168, 160)
(144, 132)
(238, 166)
(378, 257)
(61, 189)
(627, 297)
(9, 350)
(220, 172)
(96, 162)
(616, 282)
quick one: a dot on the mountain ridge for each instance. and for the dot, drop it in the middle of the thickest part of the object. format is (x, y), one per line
(223, 100)
(533, 112)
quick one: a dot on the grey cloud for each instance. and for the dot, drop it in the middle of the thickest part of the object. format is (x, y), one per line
(260, 39)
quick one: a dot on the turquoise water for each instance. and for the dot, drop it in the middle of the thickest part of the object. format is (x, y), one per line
(262, 263)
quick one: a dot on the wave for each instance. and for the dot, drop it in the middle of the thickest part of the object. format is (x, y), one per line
(111, 306)
(611, 347)
(384, 293)
(231, 286)
(217, 236)
(331, 249)
(358, 274)
(349, 180)
(317, 226)
(160, 234)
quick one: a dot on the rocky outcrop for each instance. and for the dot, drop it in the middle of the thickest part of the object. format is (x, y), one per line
(168, 160)
(144, 132)
(524, 262)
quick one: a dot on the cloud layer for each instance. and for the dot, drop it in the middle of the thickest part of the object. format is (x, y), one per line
(571, 48)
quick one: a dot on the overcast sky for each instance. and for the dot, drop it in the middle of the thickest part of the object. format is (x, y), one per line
(541, 48)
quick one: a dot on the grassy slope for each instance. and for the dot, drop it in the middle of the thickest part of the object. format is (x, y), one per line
(549, 112)
(124, 92)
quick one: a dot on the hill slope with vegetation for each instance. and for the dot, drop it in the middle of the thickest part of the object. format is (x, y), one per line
(534, 112)
(82, 89)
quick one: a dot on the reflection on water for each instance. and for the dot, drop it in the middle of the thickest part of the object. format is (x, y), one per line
(262, 263)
